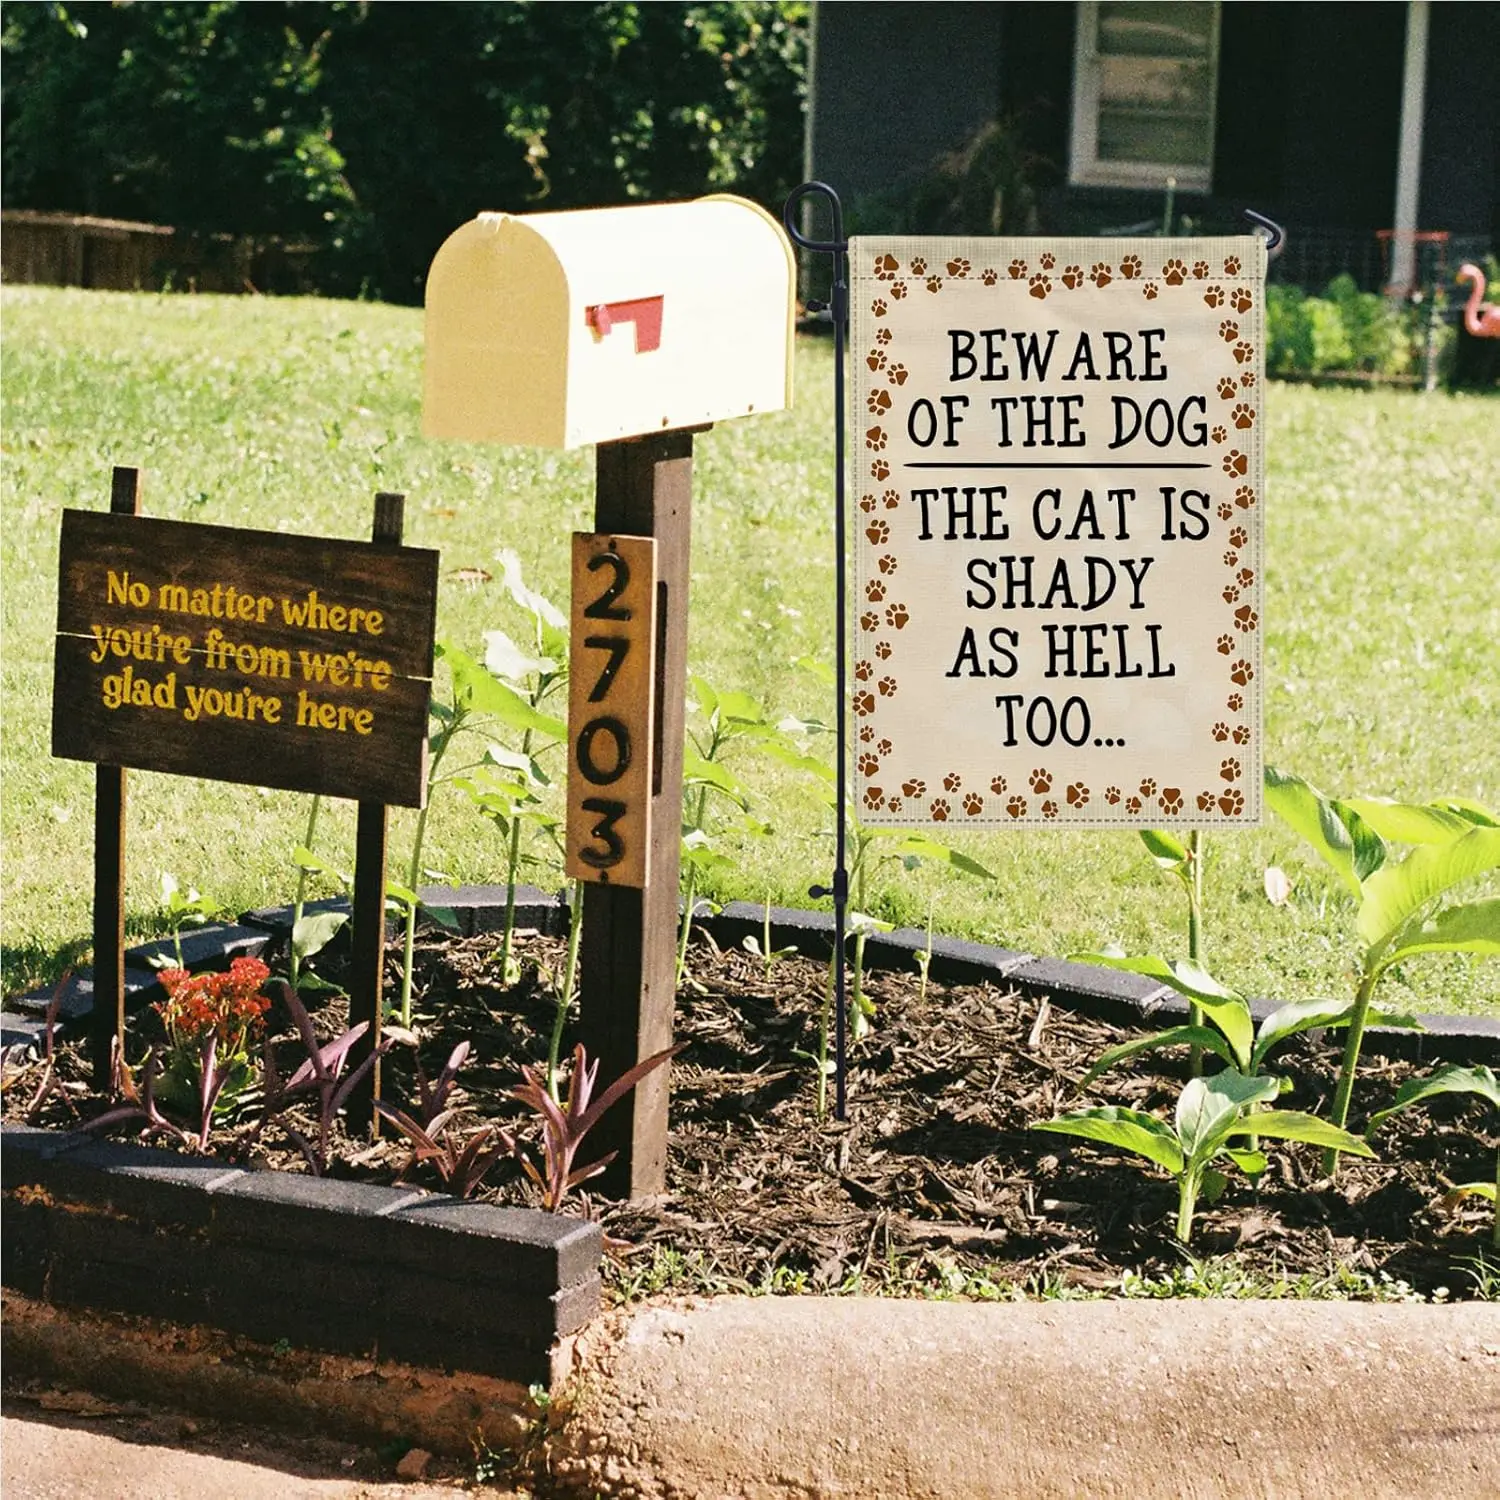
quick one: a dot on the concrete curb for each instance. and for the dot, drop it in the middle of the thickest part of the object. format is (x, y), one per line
(767, 1398)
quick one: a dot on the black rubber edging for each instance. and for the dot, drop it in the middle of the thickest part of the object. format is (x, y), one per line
(1107, 994)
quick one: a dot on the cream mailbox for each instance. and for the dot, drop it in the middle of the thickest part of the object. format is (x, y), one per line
(597, 324)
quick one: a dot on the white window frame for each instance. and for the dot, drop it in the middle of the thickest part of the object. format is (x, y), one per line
(1085, 169)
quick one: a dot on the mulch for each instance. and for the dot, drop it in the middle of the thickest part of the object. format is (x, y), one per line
(936, 1183)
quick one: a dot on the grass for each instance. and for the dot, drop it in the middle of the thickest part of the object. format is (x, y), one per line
(1382, 615)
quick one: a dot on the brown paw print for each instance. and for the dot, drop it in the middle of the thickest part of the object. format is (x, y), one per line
(1234, 703)
(1174, 273)
(880, 470)
(1247, 378)
(887, 687)
(1238, 537)
(1231, 265)
(863, 671)
(882, 336)
(952, 781)
(869, 620)
(894, 803)
(867, 503)
(874, 798)
(880, 307)
(1048, 260)
(1244, 497)
(973, 804)
(1200, 269)
(958, 267)
(919, 266)
(1245, 577)
(1017, 270)
(878, 532)
(1214, 296)
(868, 764)
(1245, 619)
(1241, 735)
(883, 650)
(989, 276)
(1243, 416)
(1016, 807)
(1078, 795)
(883, 748)
(891, 499)
(1205, 801)
(1226, 510)
(1229, 770)
(1231, 595)
(1072, 277)
(1236, 464)
(997, 786)
(1041, 781)
(886, 267)
(887, 563)
(1220, 731)
(1241, 300)
(864, 703)
(1049, 808)
(1040, 285)
(896, 374)
(876, 359)
(866, 733)
(1228, 388)
(1232, 803)
(878, 402)
(898, 291)
(1112, 795)
(1101, 274)
(896, 616)
(1225, 643)
(1150, 291)
(1229, 330)
(1130, 267)
(1218, 434)
(1241, 672)
(1132, 805)
(1231, 559)
(939, 810)
(934, 283)
(874, 591)
(1148, 788)
(875, 439)
(913, 788)
(1243, 353)
(1170, 800)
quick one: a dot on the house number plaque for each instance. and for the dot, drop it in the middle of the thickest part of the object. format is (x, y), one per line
(611, 712)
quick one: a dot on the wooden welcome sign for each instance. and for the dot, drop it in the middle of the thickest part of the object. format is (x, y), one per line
(250, 656)
(1060, 477)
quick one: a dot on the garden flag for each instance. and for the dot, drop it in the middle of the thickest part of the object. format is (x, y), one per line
(1058, 454)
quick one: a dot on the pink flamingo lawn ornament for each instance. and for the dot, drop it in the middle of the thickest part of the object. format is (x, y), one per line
(1481, 319)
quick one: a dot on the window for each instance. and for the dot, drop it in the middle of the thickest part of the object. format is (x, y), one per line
(1145, 82)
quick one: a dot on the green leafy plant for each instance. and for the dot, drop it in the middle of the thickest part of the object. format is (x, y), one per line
(761, 947)
(313, 932)
(1402, 912)
(210, 1021)
(565, 1125)
(1184, 861)
(1210, 1114)
(1452, 1079)
(184, 908)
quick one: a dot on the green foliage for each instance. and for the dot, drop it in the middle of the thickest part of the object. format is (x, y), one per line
(1343, 330)
(1211, 1112)
(368, 130)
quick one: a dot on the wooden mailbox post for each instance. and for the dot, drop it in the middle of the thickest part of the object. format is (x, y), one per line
(631, 329)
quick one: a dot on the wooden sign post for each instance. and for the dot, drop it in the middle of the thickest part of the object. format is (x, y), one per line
(627, 960)
(244, 656)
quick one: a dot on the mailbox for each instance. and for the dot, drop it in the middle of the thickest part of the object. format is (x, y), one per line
(591, 325)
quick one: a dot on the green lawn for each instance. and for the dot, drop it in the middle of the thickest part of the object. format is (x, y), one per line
(1383, 613)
